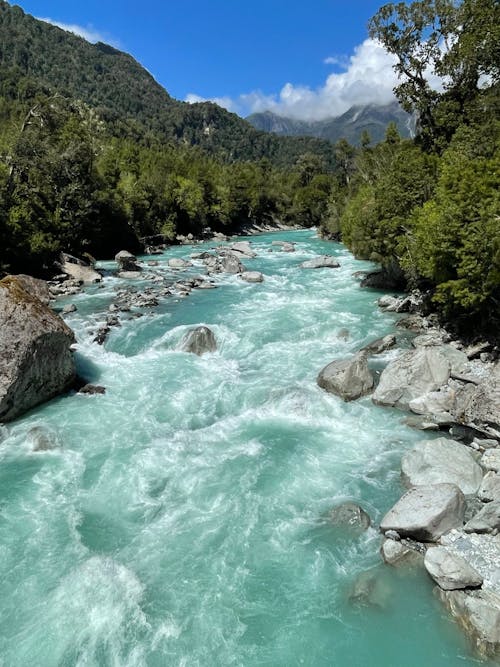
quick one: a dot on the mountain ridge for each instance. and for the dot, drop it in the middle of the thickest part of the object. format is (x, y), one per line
(349, 125)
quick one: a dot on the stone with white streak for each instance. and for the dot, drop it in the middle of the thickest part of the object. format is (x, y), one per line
(449, 570)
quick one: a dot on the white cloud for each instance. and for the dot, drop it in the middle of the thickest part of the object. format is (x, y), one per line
(368, 78)
(225, 102)
(88, 32)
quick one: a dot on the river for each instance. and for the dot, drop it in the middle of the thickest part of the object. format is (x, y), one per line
(181, 519)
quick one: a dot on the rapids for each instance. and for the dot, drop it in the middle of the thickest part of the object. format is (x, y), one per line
(180, 519)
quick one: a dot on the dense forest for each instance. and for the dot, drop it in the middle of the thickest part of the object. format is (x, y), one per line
(95, 154)
(429, 209)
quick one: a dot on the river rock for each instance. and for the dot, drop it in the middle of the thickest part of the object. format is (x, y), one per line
(252, 276)
(415, 373)
(478, 612)
(92, 389)
(450, 571)
(347, 378)
(491, 460)
(343, 334)
(426, 512)
(321, 262)
(179, 263)
(350, 515)
(127, 262)
(399, 554)
(42, 440)
(441, 460)
(199, 340)
(372, 589)
(78, 269)
(244, 248)
(34, 286)
(490, 487)
(486, 520)
(479, 405)
(388, 302)
(69, 308)
(380, 345)
(36, 362)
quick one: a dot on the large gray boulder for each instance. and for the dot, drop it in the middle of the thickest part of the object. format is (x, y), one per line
(347, 378)
(441, 460)
(225, 262)
(36, 362)
(486, 520)
(179, 263)
(321, 262)
(78, 269)
(127, 261)
(449, 570)
(34, 286)
(426, 512)
(199, 340)
(399, 554)
(415, 373)
(478, 612)
(380, 345)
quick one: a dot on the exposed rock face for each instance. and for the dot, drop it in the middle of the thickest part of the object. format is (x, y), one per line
(126, 261)
(199, 340)
(426, 512)
(347, 378)
(79, 269)
(486, 520)
(491, 459)
(449, 570)
(478, 612)
(441, 460)
(415, 373)
(36, 362)
(349, 515)
(37, 288)
(321, 262)
(252, 276)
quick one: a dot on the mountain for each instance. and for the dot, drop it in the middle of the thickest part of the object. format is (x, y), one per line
(124, 93)
(350, 125)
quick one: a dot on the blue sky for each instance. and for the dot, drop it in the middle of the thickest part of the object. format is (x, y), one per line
(305, 59)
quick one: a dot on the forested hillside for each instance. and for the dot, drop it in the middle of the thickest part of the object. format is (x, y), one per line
(123, 92)
(430, 208)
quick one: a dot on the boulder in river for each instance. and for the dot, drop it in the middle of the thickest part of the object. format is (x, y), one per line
(36, 362)
(347, 378)
(442, 460)
(252, 276)
(426, 512)
(179, 263)
(398, 554)
(321, 262)
(243, 248)
(79, 269)
(127, 261)
(199, 340)
(380, 345)
(415, 373)
(450, 570)
(349, 515)
(371, 589)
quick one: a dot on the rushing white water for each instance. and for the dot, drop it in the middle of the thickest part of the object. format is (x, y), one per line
(180, 518)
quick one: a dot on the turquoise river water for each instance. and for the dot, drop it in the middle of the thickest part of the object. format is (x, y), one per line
(181, 519)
